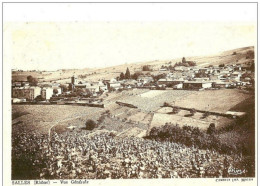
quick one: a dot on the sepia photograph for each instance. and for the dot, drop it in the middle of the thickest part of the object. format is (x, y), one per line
(129, 91)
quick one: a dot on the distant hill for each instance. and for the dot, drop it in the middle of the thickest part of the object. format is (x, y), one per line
(239, 56)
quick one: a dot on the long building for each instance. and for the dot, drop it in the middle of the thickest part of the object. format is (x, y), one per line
(196, 85)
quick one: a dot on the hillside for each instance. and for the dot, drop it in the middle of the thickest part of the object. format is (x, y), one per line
(239, 56)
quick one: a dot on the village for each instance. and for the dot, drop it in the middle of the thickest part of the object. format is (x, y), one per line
(185, 75)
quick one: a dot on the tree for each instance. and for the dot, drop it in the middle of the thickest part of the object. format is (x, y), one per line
(146, 68)
(122, 76)
(29, 78)
(127, 74)
(183, 60)
(160, 76)
(32, 81)
(136, 75)
(90, 124)
(211, 129)
(55, 91)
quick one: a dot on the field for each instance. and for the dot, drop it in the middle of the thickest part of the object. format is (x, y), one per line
(42, 117)
(149, 100)
(197, 120)
(148, 114)
(213, 100)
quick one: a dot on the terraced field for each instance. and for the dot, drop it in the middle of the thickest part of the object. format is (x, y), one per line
(151, 100)
(160, 119)
(42, 117)
(213, 100)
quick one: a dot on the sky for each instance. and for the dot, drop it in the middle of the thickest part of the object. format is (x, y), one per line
(51, 44)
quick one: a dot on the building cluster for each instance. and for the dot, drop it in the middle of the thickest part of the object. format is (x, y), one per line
(22, 91)
(229, 76)
(181, 77)
(93, 86)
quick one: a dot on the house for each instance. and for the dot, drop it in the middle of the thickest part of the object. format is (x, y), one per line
(81, 86)
(55, 85)
(169, 82)
(113, 83)
(46, 93)
(103, 88)
(203, 70)
(236, 76)
(191, 85)
(18, 100)
(17, 84)
(28, 93)
(181, 68)
(20, 84)
(214, 76)
(189, 74)
(144, 79)
(162, 69)
(178, 86)
(225, 72)
(93, 89)
(201, 79)
(220, 84)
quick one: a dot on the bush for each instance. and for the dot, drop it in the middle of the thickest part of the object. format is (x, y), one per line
(165, 104)
(39, 98)
(212, 129)
(191, 63)
(90, 124)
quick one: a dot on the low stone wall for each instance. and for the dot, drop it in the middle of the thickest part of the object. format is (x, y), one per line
(201, 111)
(64, 103)
(125, 104)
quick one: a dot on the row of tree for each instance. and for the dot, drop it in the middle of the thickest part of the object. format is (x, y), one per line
(193, 136)
(128, 75)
